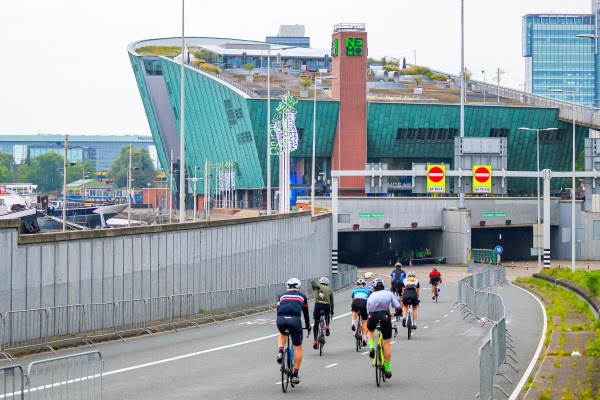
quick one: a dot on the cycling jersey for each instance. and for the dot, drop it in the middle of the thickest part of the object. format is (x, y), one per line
(361, 293)
(323, 293)
(411, 283)
(293, 304)
(434, 274)
(381, 301)
(398, 276)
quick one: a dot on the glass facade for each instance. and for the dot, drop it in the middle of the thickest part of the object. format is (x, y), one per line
(100, 150)
(556, 59)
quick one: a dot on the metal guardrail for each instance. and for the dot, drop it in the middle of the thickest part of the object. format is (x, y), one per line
(487, 307)
(72, 377)
(12, 384)
(232, 82)
(42, 328)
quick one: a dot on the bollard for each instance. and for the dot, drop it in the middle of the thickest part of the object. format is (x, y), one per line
(512, 264)
(559, 264)
(527, 266)
(588, 265)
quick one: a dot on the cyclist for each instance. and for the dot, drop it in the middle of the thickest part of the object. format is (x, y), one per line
(360, 294)
(398, 275)
(435, 278)
(410, 295)
(378, 307)
(369, 280)
(324, 302)
(292, 304)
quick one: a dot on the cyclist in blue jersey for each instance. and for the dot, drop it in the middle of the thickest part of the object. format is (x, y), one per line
(360, 294)
(292, 304)
(378, 307)
(397, 277)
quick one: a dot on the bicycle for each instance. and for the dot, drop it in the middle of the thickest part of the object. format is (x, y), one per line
(358, 334)
(287, 362)
(378, 360)
(435, 291)
(409, 319)
(321, 333)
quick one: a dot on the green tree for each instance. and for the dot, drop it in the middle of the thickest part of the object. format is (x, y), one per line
(249, 67)
(7, 160)
(23, 172)
(371, 60)
(306, 82)
(418, 79)
(75, 172)
(46, 171)
(144, 174)
(6, 175)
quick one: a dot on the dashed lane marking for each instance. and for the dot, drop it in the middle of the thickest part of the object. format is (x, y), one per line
(366, 352)
(331, 365)
(437, 320)
(425, 327)
(445, 315)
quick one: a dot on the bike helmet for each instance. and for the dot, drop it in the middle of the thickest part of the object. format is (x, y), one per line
(434, 268)
(324, 280)
(411, 273)
(378, 284)
(398, 264)
(368, 275)
(360, 281)
(294, 283)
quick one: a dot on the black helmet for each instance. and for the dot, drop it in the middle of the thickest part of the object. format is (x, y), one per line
(378, 284)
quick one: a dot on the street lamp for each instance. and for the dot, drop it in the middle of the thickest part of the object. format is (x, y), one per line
(537, 138)
(182, 123)
(312, 176)
(573, 93)
(461, 200)
(65, 150)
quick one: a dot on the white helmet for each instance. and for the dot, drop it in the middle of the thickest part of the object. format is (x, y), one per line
(294, 283)
(324, 280)
(360, 281)
(369, 275)
(411, 273)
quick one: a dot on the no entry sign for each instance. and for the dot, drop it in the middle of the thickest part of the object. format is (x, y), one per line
(482, 179)
(436, 178)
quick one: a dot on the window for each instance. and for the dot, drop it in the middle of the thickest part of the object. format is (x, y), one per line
(244, 137)
(499, 132)
(426, 135)
(238, 113)
(230, 112)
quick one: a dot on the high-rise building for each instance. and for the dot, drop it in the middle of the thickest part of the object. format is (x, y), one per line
(557, 59)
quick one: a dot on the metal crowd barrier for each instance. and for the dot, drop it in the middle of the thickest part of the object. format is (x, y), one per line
(42, 328)
(487, 307)
(73, 377)
(11, 382)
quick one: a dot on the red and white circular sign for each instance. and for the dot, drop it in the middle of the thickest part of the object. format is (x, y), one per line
(435, 174)
(482, 174)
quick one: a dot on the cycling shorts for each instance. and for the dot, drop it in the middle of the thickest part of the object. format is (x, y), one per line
(410, 296)
(397, 287)
(360, 306)
(317, 311)
(386, 323)
(294, 325)
(435, 279)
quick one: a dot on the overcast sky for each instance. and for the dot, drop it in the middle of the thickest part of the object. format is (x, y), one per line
(64, 66)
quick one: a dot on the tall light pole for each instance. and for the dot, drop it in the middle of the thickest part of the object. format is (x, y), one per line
(129, 185)
(573, 93)
(537, 139)
(461, 201)
(182, 122)
(64, 210)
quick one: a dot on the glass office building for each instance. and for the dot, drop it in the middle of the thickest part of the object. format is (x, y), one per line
(556, 59)
(101, 150)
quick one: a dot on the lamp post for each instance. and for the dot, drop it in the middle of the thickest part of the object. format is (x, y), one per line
(573, 93)
(461, 200)
(537, 139)
(182, 123)
(195, 179)
(129, 179)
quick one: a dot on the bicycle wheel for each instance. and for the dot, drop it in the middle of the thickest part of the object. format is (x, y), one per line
(321, 338)
(378, 365)
(290, 369)
(358, 334)
(409, 323)
(285, 377)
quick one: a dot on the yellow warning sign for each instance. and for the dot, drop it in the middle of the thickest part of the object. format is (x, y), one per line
(436, 178)
(482, 179)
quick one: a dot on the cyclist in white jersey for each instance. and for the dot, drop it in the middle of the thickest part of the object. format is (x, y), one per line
(378, 307)
(410, 295)
(369, 280)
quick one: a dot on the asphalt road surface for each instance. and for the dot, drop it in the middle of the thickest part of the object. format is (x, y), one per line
(236, 359)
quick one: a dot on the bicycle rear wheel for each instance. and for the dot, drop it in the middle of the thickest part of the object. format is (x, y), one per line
(285, 375)
(358, 335)
(290, 368)
(409, 323)
(378, 363)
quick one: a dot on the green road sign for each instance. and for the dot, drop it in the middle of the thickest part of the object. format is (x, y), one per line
(493, 214)
(371, 215)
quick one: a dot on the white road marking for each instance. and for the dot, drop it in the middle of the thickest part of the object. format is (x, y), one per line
(331, 365)
(425, 327)
(452, 310)
(445, 315)
(366, 352)
(279, 383)
(437, 320)
(394, 340)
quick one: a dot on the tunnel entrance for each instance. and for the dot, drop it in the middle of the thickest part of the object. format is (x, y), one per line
(372, 248)
(516, 241)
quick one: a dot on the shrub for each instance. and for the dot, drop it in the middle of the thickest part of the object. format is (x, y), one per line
(417, 70)
(169, 51)
(210, 68)
(438, 77)
(306, 82)
(249, 67)
(389, 67)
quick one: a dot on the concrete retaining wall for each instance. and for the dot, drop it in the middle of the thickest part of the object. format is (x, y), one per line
(54, 269)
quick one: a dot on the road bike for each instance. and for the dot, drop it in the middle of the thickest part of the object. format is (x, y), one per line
(409, 319)
(321, 333)
(378, 360)
(287, 362)
(436, 291)
(358, 334)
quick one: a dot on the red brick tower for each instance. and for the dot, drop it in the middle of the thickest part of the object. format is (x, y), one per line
(349, 66)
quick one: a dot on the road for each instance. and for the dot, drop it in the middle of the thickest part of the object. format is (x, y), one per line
(236, 359)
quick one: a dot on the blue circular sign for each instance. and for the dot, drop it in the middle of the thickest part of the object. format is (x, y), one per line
(498, 249)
